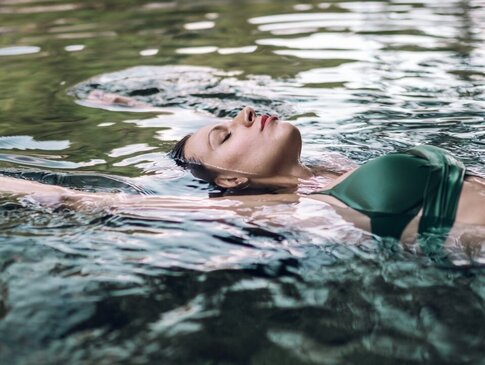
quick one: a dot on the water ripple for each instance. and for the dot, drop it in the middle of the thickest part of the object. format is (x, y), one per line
(142, 282)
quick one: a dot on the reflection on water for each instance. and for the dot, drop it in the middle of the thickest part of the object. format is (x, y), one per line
(289, 284)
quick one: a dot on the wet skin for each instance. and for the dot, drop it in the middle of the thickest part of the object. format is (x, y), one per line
(247, 150)
(249, 147)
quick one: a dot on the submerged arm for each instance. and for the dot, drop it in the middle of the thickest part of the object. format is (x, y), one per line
(20, 187)
(54, 196)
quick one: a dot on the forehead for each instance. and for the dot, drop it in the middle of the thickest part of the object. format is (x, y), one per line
(197, 146)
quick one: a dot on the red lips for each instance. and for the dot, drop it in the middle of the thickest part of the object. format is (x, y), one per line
(265, 119)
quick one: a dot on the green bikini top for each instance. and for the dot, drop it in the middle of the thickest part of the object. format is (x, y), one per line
(392, 189)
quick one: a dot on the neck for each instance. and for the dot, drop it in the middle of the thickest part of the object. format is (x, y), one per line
(300, 171)
(291, 179)
(299, 178)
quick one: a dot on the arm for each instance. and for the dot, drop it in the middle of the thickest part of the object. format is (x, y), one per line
(10, 186)
(54, 196)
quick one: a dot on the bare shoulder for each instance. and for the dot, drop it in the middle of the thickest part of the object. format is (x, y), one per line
(260, 200)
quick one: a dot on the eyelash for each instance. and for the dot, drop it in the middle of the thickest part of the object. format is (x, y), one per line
(226, 138)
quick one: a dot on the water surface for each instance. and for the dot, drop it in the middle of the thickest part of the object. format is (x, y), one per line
(288, 284)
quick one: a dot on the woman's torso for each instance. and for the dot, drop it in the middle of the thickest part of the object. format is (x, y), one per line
(470, 211)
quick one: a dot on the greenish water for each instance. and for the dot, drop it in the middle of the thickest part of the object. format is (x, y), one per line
(287, 284)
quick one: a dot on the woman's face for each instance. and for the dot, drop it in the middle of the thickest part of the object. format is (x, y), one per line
(249, 144)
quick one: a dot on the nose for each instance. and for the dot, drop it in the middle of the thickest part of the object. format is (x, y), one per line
(247, 116)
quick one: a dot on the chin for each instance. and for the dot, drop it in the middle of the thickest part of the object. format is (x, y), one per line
(288, 128)
(290, 138)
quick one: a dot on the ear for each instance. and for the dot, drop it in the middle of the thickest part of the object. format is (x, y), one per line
(231, 182)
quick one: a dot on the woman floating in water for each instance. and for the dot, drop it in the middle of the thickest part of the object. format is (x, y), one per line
(423, 190)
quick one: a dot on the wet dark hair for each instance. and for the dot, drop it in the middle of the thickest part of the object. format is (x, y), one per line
(196, 167)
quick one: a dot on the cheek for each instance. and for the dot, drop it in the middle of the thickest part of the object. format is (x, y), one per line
(260, 154)
(235, 154)
(249, 155)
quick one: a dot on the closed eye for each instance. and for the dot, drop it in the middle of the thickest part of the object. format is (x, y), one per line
(226, 137)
